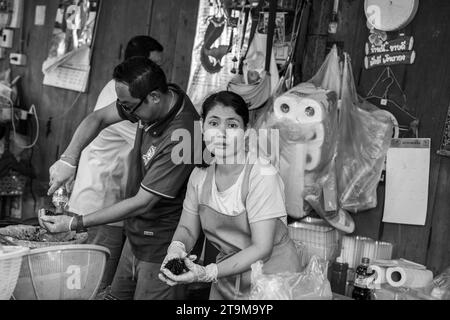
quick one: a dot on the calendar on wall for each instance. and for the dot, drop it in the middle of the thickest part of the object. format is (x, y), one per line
(68, 62)
(68, 78)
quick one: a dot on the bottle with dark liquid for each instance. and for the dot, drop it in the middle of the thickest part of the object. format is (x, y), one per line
(362, 290)
(339, 276)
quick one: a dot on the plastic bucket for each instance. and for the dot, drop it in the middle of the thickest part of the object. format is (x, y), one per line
(10, 262)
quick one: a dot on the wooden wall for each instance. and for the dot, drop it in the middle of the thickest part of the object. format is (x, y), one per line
(170, 22)
(427, 86)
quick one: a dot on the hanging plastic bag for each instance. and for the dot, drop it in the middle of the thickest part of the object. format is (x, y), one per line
(256, 85)
(311, 284)
(306, 119)
(329, 75)
(363, 141)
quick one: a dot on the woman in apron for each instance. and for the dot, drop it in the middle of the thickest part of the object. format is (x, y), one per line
(238, 202)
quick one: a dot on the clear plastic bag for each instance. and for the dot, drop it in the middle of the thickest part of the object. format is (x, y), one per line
(363, 141)
(441, 286)
(349, 152)
(307, 138)
(311, 284)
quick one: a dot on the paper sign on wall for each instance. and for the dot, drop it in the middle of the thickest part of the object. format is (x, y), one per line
(69, 58)
(407, 176)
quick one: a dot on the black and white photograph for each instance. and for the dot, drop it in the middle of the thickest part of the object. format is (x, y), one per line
(225, 158)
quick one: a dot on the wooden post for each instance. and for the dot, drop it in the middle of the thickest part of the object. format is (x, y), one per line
(301, 43)
(316, 37)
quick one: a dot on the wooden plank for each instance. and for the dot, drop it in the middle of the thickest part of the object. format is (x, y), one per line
(164, 27)
(368, 222)
(435, 105)
(317, 37)
(114, 32)
(184, 43)
(351, 31)
(438, 255)
(427, 87)
(301, 44)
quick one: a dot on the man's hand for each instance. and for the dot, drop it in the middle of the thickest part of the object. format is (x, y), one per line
(54, 224)
(61, 173)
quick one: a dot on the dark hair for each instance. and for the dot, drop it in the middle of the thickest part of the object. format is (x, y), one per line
(141, 75)
(141, 46)
(228, 99)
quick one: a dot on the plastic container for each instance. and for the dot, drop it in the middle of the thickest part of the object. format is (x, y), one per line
(67, 272)
(10, 262)
(316, 237)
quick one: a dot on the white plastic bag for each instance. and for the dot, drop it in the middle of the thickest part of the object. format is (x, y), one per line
(311, 284)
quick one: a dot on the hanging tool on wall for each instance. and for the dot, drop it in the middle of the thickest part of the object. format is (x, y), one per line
(210, 56)
(332, 26)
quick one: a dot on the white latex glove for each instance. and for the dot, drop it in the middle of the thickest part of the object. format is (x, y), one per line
(61, 172)
(176, 250)
(196, 273)
(54, 224)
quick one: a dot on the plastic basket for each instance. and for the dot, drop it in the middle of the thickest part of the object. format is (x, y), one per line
(10, 262)
(67, 272)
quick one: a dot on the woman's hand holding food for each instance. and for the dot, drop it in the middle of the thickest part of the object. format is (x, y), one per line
(176, 251)
(195, 273)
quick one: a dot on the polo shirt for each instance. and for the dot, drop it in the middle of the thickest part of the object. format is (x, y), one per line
(153, 170)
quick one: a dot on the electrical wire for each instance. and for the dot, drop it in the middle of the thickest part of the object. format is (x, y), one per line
(33, 109)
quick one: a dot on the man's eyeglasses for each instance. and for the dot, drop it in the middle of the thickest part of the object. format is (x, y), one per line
(127, 108)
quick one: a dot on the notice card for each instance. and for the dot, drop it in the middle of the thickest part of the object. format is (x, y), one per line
(407, 175)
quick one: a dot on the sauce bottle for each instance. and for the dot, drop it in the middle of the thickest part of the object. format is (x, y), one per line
(361, 290)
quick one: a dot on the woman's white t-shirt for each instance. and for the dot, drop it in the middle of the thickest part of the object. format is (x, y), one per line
(265, 199)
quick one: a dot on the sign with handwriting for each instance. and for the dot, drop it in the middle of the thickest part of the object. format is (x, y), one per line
(402, 43)
(391, 58)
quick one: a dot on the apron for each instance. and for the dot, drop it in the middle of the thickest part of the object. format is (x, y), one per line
(231, 234)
